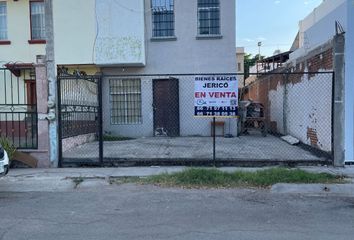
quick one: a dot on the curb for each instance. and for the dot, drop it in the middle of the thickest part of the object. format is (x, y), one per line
(314, 189)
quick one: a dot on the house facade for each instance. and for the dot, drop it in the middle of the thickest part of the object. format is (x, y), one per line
(23, 89)
(240, 58)
(144, 49)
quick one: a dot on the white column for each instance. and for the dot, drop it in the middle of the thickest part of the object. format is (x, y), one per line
(349, 84)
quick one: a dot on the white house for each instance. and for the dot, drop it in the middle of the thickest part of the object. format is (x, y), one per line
(123, 37)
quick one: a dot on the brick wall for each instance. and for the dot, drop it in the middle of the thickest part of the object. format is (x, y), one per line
(298, 98)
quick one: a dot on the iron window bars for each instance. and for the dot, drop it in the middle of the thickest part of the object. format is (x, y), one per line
(125, 96)
(163, 19)
(208, 17)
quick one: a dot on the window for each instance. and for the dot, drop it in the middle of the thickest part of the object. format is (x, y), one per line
(125, 101)
(163, 23)
(208, 17)
(37, 20)
(3, 21)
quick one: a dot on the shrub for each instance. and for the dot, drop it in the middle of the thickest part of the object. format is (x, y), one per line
(8, 146)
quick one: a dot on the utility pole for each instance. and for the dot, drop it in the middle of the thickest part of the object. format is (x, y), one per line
(52, 84)
(259, 50)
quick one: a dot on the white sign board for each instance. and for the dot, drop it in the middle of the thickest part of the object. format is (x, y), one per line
(215, 96)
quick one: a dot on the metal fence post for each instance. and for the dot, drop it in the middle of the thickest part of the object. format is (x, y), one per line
(100, 120)
(60, 142)
(285, 103)
(214, 142)
(338, 101)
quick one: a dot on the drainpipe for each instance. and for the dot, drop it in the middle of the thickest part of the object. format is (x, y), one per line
(52, 84)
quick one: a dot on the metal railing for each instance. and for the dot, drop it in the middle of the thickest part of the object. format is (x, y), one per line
(18, 107)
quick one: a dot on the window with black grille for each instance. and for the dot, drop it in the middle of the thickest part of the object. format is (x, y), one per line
(125, 97)
(208, 17)
(163, 18)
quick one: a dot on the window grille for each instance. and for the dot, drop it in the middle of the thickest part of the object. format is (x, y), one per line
(208, 17)
(163, 18)
(125, 101)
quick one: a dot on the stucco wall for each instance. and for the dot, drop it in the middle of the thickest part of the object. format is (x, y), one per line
(189, 125)
(120, 32)
(349, 84)
(186, 54)
(19, 32)
(74, 31)
(319, 26)
(104, 32)
(325, 28)
(240, 57)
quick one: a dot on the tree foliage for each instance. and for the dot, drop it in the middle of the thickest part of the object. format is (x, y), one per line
(251, 61)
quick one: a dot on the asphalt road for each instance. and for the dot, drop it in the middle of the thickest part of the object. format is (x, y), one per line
(148, 212)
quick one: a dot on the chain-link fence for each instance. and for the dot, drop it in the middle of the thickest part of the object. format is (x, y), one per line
(297, 105)
(153, 120)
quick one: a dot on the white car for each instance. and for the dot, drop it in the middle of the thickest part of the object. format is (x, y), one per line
(4, 162)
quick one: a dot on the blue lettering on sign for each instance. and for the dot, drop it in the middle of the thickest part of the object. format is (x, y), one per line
(216, 111)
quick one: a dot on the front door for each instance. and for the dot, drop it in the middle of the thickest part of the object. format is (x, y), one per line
(166, 107)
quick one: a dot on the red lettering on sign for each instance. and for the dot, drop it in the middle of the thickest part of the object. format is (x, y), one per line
(200, 95)
(222, 95)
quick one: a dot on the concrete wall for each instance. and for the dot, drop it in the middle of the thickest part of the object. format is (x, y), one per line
(79, 31)
(103, 32)
(42, 152)
(349, 84)
(120, 31)
(240, 58)
(319, 26)
(19, 32)
(75, 31)
(72, 142)
(185, 54)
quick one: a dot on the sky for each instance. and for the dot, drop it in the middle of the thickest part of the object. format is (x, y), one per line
(273, 22)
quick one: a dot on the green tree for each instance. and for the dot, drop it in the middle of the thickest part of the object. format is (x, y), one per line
(251, 61)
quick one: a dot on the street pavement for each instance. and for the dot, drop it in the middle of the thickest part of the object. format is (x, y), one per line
(47, 204)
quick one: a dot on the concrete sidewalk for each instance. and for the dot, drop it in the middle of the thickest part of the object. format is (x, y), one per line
(253, 146)
(92, 179)
(144, 171)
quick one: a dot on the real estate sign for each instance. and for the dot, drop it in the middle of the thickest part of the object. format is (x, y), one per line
(215, 96)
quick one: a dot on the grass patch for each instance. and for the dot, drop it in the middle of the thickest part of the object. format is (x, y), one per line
(213, 178)
(110, 138)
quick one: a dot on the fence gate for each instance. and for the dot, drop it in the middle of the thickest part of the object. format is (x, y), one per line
(18, 107)
(80, 119)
